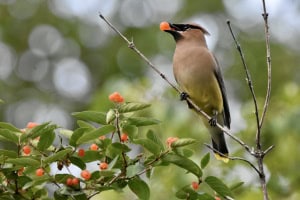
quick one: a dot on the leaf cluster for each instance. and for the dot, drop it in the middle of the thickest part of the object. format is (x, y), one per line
(17, 170)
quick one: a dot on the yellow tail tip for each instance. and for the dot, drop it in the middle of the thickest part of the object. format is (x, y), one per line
(219, 157)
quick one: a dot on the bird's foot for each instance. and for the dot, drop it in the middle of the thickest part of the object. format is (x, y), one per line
(213, 119)
(183, 96)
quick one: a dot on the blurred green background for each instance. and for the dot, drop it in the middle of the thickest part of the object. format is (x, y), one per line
(59, 57)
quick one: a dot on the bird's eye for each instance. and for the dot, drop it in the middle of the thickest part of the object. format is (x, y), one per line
(187, 27)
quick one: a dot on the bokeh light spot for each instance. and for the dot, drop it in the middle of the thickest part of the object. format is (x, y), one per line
(72, 78)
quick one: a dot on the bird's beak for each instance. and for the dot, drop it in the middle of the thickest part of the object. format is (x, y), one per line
(169, 27)
(173, 29)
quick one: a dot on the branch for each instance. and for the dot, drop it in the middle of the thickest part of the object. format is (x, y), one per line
(248, 76)
(259, 153)
(269, 65)
(233, 158)
(132, 46)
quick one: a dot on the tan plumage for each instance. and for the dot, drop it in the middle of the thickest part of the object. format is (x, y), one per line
(198, 74)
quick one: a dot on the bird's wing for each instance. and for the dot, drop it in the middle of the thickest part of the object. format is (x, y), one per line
(226, 113)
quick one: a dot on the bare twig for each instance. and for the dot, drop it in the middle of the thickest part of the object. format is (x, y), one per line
(266, 105)
(234, 158)
(132, 46)
(269, 65)
(248, 76)
(259, 153)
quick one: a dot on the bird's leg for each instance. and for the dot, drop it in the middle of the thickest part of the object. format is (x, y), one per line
(213, 119)
(183, 97)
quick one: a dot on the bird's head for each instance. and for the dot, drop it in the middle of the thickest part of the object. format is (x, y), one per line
(187, 32)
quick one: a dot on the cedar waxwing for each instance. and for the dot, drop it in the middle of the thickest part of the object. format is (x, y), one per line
(198, 74)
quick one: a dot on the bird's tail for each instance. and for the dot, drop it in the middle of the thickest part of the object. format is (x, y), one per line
(218, 140)
(219, 145)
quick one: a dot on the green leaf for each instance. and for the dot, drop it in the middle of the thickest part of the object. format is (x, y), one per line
(59, 196)
(80, 196)
(184, 163)
(131, 131)
(90, 156)
(76, 135)
(93, 116)
(66, 133)
(40, 181)
(58, 155)
(149, 145)
(187, 152)
(24, 162)
(152, 136)
(9, 126)
(142, 121)
(8, 153)
(188, 193)
(110, 116)
(46, 140)
(131, 106)
(133, 170)
(205, 160)
(38, 131)
(140, 188)
(8, 135)
(218, 186)
(205, 197)
(78, 162)
(62, 178)
(236, 185)
(116, 149)
(183, 142)
(83, 124)
(95, 134)
(113, 162)
(107, 173)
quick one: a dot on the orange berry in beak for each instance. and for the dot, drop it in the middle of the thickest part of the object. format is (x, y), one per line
(164, 26)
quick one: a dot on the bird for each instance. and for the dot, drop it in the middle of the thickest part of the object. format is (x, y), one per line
(199, 76)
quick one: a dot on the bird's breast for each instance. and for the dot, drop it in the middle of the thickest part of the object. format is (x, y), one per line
(194, 72)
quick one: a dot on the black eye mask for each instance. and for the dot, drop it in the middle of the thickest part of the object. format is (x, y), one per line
(184, 27)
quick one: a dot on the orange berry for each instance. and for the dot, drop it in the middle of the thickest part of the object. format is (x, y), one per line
(20, 171)
(69, 182)
(94, 147)
(195, 185)
(85, 174)
(116, 97)
(102, 137)
(124, 137)
(75, 181)
(217, 198)
(81, 152)
(170, 140)
(164, 26)
(31, 125)
(26, 150)
(39, 172)
(103, 166)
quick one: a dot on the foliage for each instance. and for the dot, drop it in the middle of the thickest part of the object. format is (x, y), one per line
(25, 171)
